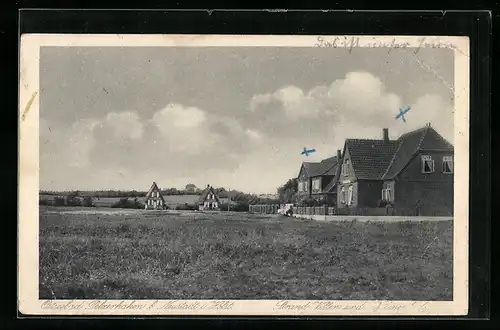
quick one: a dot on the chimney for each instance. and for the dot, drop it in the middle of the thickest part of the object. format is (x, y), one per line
(386, 134)
(339, 155)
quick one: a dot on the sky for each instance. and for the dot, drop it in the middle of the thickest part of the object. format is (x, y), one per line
(121, 118)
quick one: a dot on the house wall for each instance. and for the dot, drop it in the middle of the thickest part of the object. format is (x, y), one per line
(349, 175)
(370, 192)
(429, 195)
(431, 190)
(155, 201)
(303, 177)
(325, 180)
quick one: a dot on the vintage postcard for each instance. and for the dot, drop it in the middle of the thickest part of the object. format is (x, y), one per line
(243, 175)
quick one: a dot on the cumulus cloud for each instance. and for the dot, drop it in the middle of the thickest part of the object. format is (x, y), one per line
(289, 100)
(124, 125)
(175, 141)
(357, 105)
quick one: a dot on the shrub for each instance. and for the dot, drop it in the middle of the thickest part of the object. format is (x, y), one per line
(309, 202)
(241, 207)
(88, 201)
(42, 201)
(59, 201)
(125, 203)
(186, 207)
(384, 203)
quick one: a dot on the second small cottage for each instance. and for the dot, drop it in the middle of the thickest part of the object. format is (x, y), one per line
(209, 201)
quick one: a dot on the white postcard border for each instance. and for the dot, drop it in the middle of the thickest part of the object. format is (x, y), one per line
(28, 254)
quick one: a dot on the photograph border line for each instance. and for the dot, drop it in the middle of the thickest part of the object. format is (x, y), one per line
(28, 212)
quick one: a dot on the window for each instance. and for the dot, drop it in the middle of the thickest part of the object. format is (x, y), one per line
(427, 164)
(317, 184)
(306, 185)
(447, 164)
(387, 193)
(350, 195)
(342, 195)
(345, 167)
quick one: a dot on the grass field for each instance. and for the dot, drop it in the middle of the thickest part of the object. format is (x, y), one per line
(136, 254)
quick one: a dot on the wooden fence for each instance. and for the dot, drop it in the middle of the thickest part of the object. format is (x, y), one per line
(375, 211)
(264, 209)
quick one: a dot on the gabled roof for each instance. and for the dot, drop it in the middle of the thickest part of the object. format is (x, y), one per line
(370, 158)
(333, 182)
(327, 166)
(409, 144)
(205, 193)
(154, 187)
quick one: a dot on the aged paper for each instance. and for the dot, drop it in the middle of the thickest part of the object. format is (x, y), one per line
(67, 302)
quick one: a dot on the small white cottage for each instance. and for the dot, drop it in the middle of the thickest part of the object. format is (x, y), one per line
(209, 201)
(154, 199)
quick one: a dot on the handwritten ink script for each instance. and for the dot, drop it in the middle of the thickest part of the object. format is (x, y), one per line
(385, 306)
(353, 42)
(137, 305)
(286, 306)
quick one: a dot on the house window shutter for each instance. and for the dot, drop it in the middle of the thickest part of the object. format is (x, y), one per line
(350, 195)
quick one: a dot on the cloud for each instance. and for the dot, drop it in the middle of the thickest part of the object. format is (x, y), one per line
(255, 149)
(290, 100)
(124, 125)
(175, 142)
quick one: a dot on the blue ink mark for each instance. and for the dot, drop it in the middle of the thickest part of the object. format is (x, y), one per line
(307, 152)
(402, 113)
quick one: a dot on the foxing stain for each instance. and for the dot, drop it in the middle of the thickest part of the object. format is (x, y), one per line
(28, 106)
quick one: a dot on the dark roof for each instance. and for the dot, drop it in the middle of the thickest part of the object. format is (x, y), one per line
(327, 166)
(370, 158)
(205, 193)
(379, 159)
(425, 138)
(154, 187)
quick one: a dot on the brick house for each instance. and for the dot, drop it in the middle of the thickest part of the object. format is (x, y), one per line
(316, 180)
(413, 173)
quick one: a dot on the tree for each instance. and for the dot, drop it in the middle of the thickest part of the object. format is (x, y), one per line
(88, 201)
(287, 193)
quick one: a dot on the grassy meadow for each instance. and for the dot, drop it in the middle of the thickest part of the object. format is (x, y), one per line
(137, 254)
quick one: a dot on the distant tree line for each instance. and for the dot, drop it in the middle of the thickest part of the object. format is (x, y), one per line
(126, 203)
(97, 193)
(128, 199)
(72, 199)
